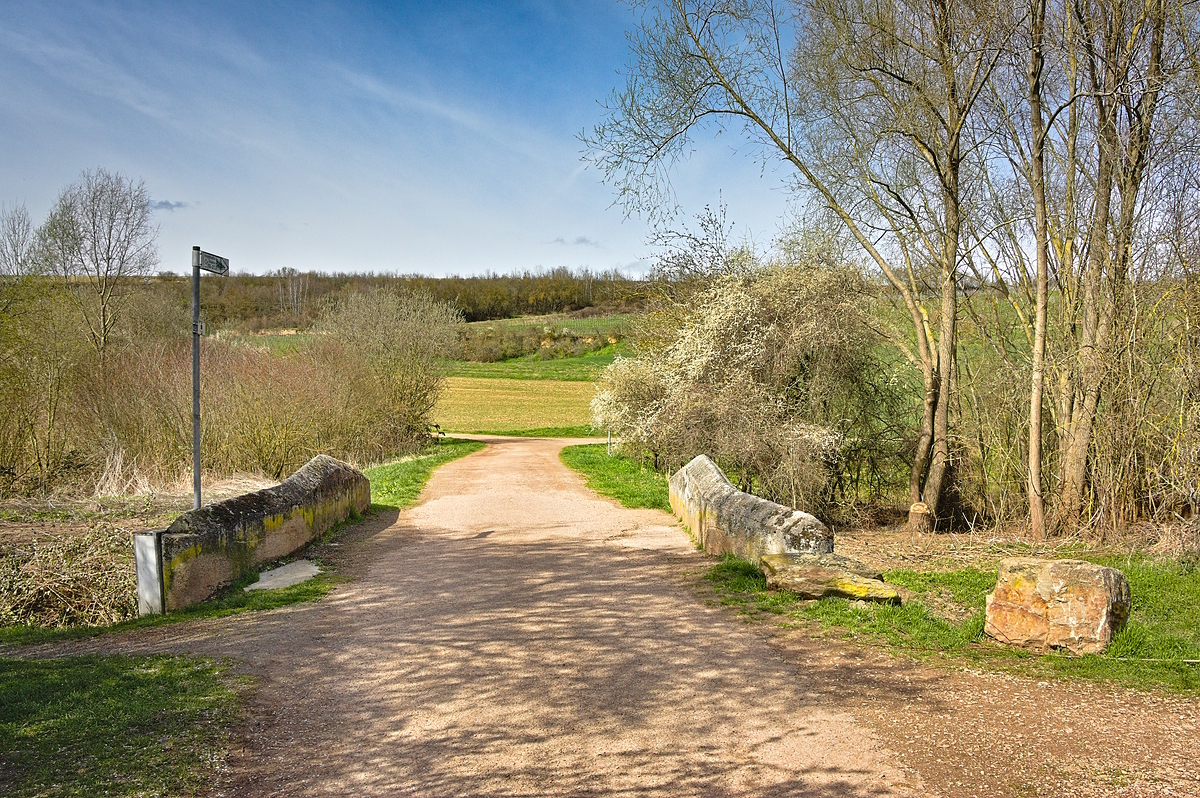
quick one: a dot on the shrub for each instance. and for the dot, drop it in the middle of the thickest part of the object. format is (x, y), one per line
(81, 580)
(496, 342)
(361, 392)
(768, 371)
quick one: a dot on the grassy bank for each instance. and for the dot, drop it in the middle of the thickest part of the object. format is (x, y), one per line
(618, 477)
(124, 726)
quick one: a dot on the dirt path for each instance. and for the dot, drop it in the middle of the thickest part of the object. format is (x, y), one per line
(513, 634)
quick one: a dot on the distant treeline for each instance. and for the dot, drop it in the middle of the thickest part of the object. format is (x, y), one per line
(289, 298)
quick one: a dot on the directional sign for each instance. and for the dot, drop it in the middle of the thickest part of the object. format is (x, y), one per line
(214, 263)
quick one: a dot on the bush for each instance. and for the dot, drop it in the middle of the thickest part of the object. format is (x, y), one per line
(82, 580)
(361, 392)
(493, 343)
(769, 371)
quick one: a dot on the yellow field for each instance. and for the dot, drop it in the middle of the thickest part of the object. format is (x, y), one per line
(472, 403)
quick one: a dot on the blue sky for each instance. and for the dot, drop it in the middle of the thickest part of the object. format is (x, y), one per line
(406, 137)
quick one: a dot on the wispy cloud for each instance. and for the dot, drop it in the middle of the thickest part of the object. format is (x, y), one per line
(167, 205)
(578, 241)
(80, 69)
(500, 133)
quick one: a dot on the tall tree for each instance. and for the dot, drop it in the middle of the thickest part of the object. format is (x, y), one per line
(1037, 181)
(869, 101)
(98, 237)
(1122, 52)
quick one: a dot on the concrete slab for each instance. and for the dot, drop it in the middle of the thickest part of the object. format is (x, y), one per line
(285, 575)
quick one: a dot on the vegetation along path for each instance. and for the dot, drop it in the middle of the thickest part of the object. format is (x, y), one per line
(514, 634)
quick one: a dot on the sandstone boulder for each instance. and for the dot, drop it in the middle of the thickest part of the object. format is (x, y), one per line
(839, 562)
(1069, 605)
(816, 577)
(725, 520)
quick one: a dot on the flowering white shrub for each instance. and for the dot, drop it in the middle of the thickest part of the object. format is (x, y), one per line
(758, 371)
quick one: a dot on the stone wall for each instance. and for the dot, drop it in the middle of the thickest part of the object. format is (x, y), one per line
(724, 519)
(206, 549)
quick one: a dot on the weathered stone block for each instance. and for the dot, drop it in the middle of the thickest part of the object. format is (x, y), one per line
(207, 548)
(1057, 604)
(724, 519)
(820, 576)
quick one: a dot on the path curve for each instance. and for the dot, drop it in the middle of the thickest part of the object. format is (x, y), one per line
(515, 634)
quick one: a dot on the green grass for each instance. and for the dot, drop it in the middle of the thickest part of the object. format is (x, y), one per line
(618, 477)
(1166, 600)
(126, 726)
(397, 485)
(585, 368)
(1147, 654)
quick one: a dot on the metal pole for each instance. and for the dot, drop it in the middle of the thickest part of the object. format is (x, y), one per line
(196, 375)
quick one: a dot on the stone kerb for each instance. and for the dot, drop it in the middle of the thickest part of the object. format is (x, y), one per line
(209, 548)
(724, 519)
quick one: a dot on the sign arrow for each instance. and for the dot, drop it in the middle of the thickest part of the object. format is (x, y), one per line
(214, 263)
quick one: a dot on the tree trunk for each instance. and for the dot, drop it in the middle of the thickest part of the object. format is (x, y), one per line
(940, 460)
(1037, 511)
(939, 464)
(1113, 75)
(920, 463)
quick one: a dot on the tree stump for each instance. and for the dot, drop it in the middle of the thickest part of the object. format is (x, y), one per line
(920, 520)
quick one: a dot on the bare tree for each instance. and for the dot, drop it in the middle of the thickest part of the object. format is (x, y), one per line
(293, 293)
(1122, 53)
(98, 237)
(871, 104)
(16, 241)
(16, 245)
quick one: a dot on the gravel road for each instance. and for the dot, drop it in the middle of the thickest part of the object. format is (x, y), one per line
(514, 634)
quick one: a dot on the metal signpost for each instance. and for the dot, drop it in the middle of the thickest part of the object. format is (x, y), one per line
(217, 265)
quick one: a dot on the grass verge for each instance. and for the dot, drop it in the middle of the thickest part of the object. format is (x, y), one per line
(397, 485)
(618, 477)
(113, 725)
(946, 616)
(1147, 654)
